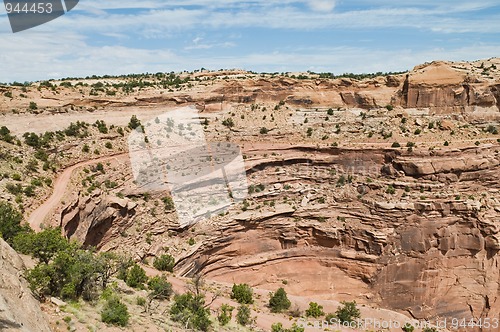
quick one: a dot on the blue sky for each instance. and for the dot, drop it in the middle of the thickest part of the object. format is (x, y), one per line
(123, 36)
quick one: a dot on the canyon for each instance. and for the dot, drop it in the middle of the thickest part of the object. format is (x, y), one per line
(383, 190)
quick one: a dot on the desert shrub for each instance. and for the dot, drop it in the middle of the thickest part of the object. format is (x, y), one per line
(134, 122)
(32, 140)
(14, 189)
(348, 312)
(396, 145)
(225, 314)
(228, 122)
(492, 129)
(189, 309)
(408, 328)
(43, 245)
(32, 166)
(140, 301)
(279, 301)
(164, 263)
(101, 126)
(115, 312)
(136, 277)
(430, 329)
(243, 315)
(278, 327)
(10, 222)
(33, 106)
(160, 288)
(242, 293)
(315, 310)
(108, 145)
(168, 202)
(41, 155)
(264, 130)
(71, 273)
(390, 189)
(5, 135)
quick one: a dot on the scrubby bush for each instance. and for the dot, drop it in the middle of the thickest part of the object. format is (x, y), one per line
(136, 277)
(279, 301)
(10, 222)
(408, 328)
(189, 309)
(228, 122)
(164, 263)
(348, 312)
(225, 314)
(243, 315)
(242, 293)
(168, 202)
(115, 312)
(278, 327)
(160, 288)
(43, 245)
(134, 122)
(315, 310)
(72, 273)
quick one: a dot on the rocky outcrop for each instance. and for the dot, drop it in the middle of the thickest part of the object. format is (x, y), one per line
(429, 257)
(93, 220)
(19, 310)
(445, 89)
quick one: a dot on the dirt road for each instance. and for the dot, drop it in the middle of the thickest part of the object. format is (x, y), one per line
(37, 217)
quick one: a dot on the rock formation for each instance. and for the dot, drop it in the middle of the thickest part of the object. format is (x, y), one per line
(19, 311)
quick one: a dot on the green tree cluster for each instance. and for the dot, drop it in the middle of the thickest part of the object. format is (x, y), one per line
(242, 293)
(279, 301)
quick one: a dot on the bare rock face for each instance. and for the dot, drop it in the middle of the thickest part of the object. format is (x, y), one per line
(431, 258)
(442, 88)
(94, 220)
(19, 310)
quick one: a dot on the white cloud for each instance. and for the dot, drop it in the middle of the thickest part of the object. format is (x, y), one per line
(69, 46)
(36, 56)
(322, 5)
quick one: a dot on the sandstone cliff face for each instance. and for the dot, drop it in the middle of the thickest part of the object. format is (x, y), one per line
(446, 89)
(19, 311)
(429, 248)
(93, 220)
(429, 257)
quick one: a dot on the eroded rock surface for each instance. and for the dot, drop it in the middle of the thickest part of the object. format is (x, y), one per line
(19, 310)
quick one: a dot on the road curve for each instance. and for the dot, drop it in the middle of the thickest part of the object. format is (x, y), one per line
(38, 216)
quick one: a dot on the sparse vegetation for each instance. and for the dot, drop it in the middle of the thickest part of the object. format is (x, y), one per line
(243, 315)
(225, 313)
(115, 312)
(315, 310)
(348, 312)
(242, 293)
(164, 263)
(279, 301)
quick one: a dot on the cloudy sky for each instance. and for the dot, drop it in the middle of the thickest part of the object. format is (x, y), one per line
(124, 36)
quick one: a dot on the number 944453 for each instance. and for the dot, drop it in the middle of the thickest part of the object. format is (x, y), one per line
(28, 8)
